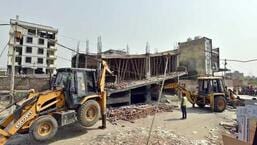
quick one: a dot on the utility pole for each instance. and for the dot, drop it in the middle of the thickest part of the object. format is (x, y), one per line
(127, 47)
(98, 55)
(77, 56)
(13, 63)
(148, 65)
(86, 52)
(225, 68)
(99, 45)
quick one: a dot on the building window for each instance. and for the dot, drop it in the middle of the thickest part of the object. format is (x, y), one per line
(50, 62)
(40, 51)
(29, 39)
(40, 60)
(31, 32)
(17, 59)
(41, 41)
(28, 49)
(18, 36)
(28, 60)
(39, 71)
(19, 50)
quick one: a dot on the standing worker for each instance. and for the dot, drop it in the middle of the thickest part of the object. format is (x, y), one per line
(184, 106)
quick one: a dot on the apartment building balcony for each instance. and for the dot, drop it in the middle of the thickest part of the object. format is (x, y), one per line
(51, 57)
(51, 66)
(51, 48)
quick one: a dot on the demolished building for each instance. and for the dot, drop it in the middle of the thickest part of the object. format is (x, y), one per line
(131, 67)
(137, 76)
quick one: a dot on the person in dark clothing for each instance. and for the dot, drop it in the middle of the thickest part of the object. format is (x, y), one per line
(183, 106)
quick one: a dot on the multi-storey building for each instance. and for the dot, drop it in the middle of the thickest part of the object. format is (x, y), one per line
(35, 47)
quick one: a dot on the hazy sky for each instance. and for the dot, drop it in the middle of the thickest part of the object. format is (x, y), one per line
(231, 24)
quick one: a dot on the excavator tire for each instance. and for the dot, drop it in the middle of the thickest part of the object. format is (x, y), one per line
(88, 113)
(44, 128)
(220, 104)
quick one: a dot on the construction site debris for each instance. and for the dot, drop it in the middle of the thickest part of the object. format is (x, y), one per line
(120, 85)
(128, 84)
(133, 112)
(213, 137)
(137, 136)
(230, 126)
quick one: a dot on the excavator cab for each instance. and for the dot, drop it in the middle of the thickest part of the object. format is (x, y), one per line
(208, 85)
(211, 91)
(76, 83)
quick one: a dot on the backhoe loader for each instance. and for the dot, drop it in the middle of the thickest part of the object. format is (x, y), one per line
(75, 97)
(211, 91)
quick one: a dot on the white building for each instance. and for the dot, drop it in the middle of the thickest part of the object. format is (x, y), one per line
(35, 47)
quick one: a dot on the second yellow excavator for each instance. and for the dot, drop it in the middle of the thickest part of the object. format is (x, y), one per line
(211, 91)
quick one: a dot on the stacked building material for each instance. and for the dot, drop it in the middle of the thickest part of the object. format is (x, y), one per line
(133, 112)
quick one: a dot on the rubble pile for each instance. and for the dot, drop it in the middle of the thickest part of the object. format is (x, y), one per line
(121, 85)
(133, 112)
(127, 83)
(137, 136)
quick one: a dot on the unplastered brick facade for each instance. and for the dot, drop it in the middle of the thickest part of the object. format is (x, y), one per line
(198, 56)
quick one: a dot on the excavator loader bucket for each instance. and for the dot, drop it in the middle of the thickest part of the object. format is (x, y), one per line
(3, 137)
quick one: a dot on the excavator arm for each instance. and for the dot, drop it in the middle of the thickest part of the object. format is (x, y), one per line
(190, 96)
(105, 68)
(103, 100)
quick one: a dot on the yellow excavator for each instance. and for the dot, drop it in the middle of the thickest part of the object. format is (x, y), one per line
(211, 91)
(75, 97)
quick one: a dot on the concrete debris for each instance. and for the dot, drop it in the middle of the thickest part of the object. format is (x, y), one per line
(128, 84)
(120, 85)
(213, 138)
(133, 112)
(230, 126)
(137, 136)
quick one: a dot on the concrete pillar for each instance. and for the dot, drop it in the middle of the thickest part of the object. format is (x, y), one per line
(148, 97)
(147, 62)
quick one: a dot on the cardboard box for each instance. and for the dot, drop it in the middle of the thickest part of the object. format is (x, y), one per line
(247, 122)
(252, 128)
(242, 128)
(227, 140)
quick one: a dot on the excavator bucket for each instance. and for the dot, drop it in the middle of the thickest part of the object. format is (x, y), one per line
(3, 138)
(190, 96)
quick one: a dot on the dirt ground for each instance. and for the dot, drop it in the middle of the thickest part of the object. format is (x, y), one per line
(199, 125)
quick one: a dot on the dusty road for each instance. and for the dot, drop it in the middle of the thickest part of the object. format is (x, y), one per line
(197, 127)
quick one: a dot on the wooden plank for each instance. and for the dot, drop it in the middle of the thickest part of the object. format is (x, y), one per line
(252, 128)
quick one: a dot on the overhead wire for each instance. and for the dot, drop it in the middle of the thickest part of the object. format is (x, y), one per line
(3, 50)
(4, 24)
(242, 61)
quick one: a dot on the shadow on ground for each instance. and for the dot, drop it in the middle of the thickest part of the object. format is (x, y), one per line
(198, 110)
(192, 110)
(173, 119)
(66, 132)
